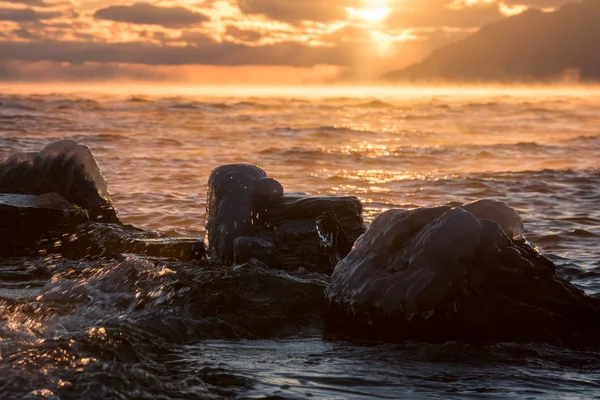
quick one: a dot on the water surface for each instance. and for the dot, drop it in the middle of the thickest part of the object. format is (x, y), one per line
(536, 150)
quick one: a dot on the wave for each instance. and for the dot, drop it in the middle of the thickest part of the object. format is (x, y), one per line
(585, 140)
(254, 105)
(137, 99)
(374, 104)
(198, 105)
(582, 233)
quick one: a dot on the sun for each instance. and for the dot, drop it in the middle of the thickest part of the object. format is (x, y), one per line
(372, 12)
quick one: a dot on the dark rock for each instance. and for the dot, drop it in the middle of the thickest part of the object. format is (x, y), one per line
(112, 240)
(251, 300)
(31, 224)
(292, 220)
(439, 274)
(17, 174)
(54, 195)
(333, 240)
(247, 248)
(170, 247)
(230, 200)
(299, 206)
(63, 167)
(244, 202)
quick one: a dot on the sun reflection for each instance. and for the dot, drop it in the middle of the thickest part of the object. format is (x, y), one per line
(369, 150)
(379, 176)
(97, 333)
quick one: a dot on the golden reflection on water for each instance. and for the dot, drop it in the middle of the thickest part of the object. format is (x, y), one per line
(366, 149)
(97, 333)
(380, 176)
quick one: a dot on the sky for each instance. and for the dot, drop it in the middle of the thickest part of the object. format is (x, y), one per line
(233, 41)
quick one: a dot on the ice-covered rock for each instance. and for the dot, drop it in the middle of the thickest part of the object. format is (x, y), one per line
(233, 191)
(17, 174)
(249, 215)
(64, 167)
(32, 224)
(507, 217)
(332, 238)
(57, 201)
(248, 248)
(456, 273)
(109, 241)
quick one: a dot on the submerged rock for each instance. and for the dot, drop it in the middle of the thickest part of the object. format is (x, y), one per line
(251, 300)
(249, 216)
(447, 273)
(64, 167)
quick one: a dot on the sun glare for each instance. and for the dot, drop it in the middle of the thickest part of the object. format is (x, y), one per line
(369, 15)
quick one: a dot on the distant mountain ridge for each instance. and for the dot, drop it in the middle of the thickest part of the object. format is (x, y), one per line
(533, 46)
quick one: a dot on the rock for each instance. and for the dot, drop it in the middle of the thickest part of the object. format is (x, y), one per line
(244, 203)
(56, 192)
(32, 224)
(443, 273)
(17, 174)
(63, 167)
(250, 300)
(247, 248)
(292, 220)
(333, 240)
(112, 240)
(508, 218)
(179, 248)
(233, 192)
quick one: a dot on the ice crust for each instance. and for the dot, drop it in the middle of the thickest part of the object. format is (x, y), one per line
(408, 260)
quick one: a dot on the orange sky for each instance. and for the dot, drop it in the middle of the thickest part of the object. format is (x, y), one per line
(232, 41)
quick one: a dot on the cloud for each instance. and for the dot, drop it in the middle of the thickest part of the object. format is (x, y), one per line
(243, 35)
(209, 53)
(18, 71)
(295, 11)
(32, 3)
(537, 3)
(26, 15)
(50, 71)
(149, 14)
(289, 33)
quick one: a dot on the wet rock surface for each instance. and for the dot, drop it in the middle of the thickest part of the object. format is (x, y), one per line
(50, 224)
(439, 274)
(64, 167)
(57, 201)
(455, 272)
(279, 229)
(252, 300)
(112, 240)
(32, 224)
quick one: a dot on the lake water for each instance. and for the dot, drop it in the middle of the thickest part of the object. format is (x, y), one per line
(77, 330)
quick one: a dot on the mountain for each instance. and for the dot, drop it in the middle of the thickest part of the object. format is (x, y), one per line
(563, 45)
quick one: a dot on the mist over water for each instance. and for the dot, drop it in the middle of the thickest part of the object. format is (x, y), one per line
(536, 150)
